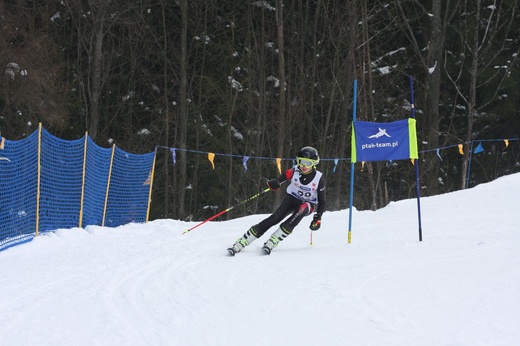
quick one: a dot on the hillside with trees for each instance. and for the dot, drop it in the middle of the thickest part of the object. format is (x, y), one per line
(262, 79)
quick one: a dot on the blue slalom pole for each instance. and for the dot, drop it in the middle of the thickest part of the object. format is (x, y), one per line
(417, 186)
(352, 167)
(469, 163)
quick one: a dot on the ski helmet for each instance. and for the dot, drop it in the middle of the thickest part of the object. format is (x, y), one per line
(309, 153)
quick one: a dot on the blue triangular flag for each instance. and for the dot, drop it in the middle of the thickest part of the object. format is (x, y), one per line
(439, 155)
(244, 162)
(174, 157)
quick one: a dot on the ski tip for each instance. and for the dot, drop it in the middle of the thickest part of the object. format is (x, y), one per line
(266, 251)
(231, 252)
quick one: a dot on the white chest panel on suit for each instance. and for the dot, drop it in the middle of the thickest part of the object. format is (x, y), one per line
(307, 193)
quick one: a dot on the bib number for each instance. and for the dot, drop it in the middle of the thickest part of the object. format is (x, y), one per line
(304, 194)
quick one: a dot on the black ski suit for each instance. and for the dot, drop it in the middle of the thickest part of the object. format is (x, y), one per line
(293, 204)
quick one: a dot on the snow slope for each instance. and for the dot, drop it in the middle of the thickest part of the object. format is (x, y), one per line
(149, 284)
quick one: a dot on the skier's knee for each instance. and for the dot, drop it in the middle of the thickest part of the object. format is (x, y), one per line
(305, 209)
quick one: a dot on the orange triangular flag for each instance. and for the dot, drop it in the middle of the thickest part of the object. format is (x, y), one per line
(461, 151)
(505, 141)
(2, 143)
(413, 161)
(279, 164)
(362, 165)
(211, 157)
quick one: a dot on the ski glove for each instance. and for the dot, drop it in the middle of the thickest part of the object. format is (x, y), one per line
(273, 184)
(315, 223)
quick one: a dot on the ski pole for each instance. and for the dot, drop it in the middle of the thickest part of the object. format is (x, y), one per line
(228, 209)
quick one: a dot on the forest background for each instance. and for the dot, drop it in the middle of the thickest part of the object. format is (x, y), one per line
(262, 79)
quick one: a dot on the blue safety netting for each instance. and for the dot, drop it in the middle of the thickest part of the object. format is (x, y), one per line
(71, 183)
(60, 182)
(18, 187)
(96, 182)
(128, 186)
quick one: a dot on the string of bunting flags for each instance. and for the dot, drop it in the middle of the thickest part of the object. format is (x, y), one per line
(478, 149)
(211, 155)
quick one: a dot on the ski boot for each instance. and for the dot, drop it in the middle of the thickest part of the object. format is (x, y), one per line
(242, 242)
(270, 244)
(274, 240)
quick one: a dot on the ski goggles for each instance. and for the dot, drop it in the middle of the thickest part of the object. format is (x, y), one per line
(303, 161)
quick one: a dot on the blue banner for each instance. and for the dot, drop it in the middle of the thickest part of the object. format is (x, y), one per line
(373, 141)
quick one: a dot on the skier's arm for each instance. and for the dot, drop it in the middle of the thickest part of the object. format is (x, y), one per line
(316, 220)
(321, 198)
(274, 184)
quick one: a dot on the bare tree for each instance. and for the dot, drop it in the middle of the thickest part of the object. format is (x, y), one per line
(182, 128)
(487, 41)
(31, 70)
(428, 47)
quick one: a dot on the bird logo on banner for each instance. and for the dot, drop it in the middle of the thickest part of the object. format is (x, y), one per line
(381, 133)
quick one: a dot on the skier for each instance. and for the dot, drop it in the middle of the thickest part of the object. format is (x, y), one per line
(305, 194)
